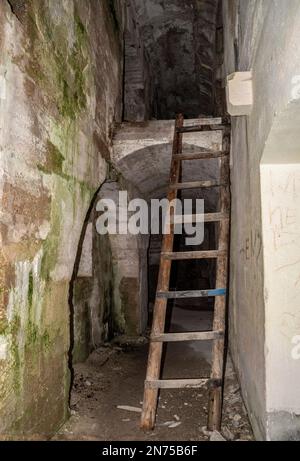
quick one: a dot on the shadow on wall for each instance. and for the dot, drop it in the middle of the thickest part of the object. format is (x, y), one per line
(73, 350)
(106, 290)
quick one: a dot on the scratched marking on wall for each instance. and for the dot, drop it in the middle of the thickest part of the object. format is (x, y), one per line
(290, 186)
(283, 220)
(283, 223)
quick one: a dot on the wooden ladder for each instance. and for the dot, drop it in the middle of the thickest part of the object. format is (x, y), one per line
(158, 336)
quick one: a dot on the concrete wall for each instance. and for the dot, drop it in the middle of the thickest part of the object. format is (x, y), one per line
(60, 90)
(280, 175)
(263, 36)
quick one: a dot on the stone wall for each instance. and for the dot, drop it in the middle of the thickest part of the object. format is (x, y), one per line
(60, 91)
(138, 76)
(263, 36)
(109, 292)
(180, 40)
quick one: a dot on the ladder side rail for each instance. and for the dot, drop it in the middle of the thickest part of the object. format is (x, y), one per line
(160, 307)
(219, 323)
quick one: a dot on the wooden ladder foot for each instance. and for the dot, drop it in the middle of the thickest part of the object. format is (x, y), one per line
(215, 409)
(149, 409)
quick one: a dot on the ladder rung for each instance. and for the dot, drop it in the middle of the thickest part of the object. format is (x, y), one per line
(201, 155)
(197, 185)
(207, 120)
(185, 255)
(181, 337)
(176, 383)
(208, 217)
(182, 383)
(191, 294)
(195, 128)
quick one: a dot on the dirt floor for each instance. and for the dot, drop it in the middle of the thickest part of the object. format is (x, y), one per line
(113, 377)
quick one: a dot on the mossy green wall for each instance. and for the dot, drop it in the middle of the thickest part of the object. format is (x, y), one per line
(61, 63)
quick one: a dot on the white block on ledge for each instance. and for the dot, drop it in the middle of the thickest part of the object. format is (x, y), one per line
(239, 93)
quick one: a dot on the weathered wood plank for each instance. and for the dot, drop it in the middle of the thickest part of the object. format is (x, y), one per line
(176, 383)
(197, 185)
(206, 121)
(191, 294)
(193, 336)
(202, 155)
(208, 217)
(196, 128)
(185, 255)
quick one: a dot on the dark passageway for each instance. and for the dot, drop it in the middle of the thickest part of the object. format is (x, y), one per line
(165, 42)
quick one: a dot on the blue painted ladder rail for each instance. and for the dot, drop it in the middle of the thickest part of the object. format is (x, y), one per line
(192, 294)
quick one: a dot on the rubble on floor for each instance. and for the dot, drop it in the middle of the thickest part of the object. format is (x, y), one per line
(107, 399)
